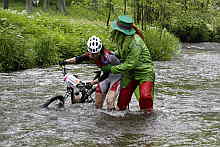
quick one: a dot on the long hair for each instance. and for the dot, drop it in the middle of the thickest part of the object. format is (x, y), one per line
(138, 31)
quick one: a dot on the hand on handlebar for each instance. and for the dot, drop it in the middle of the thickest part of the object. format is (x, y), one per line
(89, 85)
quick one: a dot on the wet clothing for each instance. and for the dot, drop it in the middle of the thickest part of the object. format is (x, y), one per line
(136, 68)
(112, 81)
(146, 95)
(135, 58)
(107, 57)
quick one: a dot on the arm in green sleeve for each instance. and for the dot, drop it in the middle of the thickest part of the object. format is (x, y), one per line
(130, 61)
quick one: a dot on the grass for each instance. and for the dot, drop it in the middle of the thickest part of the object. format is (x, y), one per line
(45, 39)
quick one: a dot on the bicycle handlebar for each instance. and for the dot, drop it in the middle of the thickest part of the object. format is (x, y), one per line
(97, 72)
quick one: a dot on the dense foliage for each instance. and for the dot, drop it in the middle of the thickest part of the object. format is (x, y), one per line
(31, 40)
(49, 34)
(13, 53)
(190, 20)
(162, 44)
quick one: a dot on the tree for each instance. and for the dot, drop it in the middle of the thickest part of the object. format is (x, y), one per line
(46, 5)
(61, 4)
(94, 4)
(29, 6)
(110, 10)
(5, 4)
(125, 6)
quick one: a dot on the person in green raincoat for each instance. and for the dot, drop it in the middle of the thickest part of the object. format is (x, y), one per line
(136, 68)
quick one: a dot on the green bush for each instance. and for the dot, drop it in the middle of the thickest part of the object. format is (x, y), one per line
(216, 36)
(45, 51)
(162, 44)
(33, 41)
(14, 55)
(74, 43)
(14, 52)
(190, 28)
(216, 32)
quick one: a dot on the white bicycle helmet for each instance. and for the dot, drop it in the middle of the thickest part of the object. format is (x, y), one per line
(94, 44)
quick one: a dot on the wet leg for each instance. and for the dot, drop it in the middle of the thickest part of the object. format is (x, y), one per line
(146, 96)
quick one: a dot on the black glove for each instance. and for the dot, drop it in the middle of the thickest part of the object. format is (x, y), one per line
(62, 63)
(88, 85)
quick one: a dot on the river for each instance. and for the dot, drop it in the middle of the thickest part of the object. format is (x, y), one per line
(186, 107)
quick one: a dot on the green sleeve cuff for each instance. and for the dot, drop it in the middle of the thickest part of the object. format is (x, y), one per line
(114, 70)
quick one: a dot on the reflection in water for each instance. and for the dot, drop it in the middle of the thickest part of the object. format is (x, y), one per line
(187, 108)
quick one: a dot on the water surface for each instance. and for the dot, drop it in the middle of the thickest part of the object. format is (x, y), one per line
(187, 107)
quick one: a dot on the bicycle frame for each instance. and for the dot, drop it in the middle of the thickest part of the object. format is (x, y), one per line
(73, 84)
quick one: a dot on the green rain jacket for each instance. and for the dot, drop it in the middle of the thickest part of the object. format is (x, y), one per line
(136, 60)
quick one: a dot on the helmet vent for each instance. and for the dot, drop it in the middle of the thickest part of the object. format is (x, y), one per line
(94, 44)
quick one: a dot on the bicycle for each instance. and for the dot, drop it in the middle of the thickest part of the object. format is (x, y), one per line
(79, 91)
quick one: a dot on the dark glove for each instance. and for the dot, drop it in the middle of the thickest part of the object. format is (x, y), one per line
(88, 85)
(106, 68)
(62, 63)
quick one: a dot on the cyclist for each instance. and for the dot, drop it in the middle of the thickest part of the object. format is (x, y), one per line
(106, 88)
(137, 68)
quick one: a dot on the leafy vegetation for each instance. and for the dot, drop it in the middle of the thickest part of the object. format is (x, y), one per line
(162, 44)
(190, 20)
(191, 28)
(43, 37)
(13, 53)
(43, 41)
(45, 51)
(29, 41)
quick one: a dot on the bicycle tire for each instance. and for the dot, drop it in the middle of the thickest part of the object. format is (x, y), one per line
(53, 99)
(85, 97)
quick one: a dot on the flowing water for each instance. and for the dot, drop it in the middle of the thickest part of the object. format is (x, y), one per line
(187, 108)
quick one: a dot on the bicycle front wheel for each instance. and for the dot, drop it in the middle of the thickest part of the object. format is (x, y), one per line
(54, 100)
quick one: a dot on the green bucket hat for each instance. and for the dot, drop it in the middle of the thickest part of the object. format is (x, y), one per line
(124, 25)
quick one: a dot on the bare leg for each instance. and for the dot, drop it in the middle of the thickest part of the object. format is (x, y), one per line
(110, 99)
(99, 100)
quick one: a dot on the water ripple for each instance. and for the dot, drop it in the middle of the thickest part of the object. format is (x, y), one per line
(187, 107)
